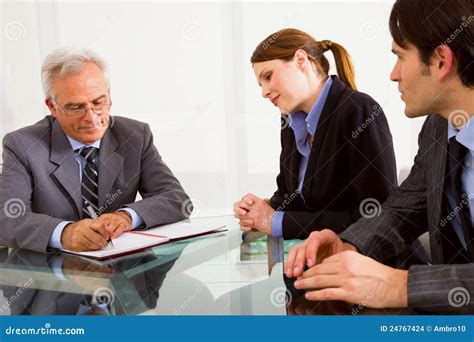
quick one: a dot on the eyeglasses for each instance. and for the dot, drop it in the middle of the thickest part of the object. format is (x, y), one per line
(98, 109)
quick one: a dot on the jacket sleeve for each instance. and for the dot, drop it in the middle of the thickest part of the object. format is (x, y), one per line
(403, 216)
(371, 171)
(20, 227)
(441, 288)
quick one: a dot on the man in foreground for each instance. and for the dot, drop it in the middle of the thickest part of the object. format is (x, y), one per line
(433, 42)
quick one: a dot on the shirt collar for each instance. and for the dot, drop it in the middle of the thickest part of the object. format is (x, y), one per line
(313, 116)
(301, 120)
(465, 136)
(76, 145)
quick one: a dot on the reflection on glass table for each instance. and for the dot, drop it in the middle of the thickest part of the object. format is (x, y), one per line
(226, 273)
(202, 275)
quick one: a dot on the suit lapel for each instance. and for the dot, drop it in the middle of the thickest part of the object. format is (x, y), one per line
(435, 174)
(67, 173)
(438, 158)
(329, 108)
(294, 164)
(110, 165)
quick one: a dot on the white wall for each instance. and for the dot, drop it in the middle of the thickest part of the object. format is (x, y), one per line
(184, 68)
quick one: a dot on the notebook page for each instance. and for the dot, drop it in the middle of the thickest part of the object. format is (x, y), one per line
(182, 230)
(125, 243)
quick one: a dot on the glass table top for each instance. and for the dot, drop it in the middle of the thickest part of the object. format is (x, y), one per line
(225, 273)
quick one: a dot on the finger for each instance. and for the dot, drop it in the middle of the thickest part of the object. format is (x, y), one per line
(119, 230)
(312, 247)
(244, 205)
(290, 260)
(91, 243)
(78, 246)
(332, 259)
(100, 227)
(319, 282)
(238, 212)
(85, 245)
(240, 205)
(251, 198)
(327, 294)
(322, 269)
(112, 228)
(299, 261)
(246, 229)
(95, 239)
(247, 222)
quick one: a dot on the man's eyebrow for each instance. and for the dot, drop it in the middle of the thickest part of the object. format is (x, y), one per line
(99, 98)
(77, 104)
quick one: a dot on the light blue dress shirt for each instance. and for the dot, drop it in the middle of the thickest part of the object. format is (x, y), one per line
(55, 240)
(302, 124)
(465, 137)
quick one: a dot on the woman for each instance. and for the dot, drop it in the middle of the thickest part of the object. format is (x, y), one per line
(337, 161)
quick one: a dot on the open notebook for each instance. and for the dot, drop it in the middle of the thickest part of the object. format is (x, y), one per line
(137, 240)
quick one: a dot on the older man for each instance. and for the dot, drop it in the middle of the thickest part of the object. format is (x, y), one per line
(79, 162)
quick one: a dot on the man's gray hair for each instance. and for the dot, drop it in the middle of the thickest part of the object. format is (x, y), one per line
(68, 61)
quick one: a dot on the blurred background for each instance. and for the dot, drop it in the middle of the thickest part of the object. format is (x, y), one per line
(184, 67)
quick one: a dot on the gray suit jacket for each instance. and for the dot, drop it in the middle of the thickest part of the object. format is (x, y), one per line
(414, 208)
(40, 184)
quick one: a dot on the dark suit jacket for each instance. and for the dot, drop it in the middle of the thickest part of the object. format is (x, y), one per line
(352, 159)
(414, 208)
(30, 301)
(41, 177)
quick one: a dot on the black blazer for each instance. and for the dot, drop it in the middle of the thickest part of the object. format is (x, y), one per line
(351, 160)
(413, 209)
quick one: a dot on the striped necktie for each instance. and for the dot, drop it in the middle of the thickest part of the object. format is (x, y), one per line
(90, 181)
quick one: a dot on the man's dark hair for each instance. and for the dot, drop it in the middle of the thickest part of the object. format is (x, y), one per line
(427, 24)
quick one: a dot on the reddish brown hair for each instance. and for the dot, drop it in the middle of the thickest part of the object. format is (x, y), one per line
(284, 43)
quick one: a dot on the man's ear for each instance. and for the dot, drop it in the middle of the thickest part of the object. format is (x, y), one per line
(51, 106)
(443, 61)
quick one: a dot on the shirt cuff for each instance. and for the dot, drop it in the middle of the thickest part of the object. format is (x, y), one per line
(137, 221)
(55, 240)
(277, 224)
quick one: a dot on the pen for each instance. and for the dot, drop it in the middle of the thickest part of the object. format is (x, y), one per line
(94, 216)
